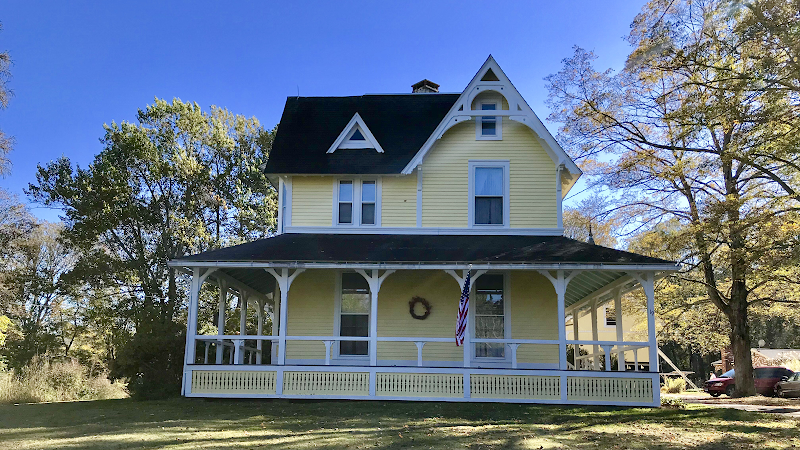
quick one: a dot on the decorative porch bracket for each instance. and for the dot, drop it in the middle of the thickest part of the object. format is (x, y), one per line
(560, 283)
(284, 280)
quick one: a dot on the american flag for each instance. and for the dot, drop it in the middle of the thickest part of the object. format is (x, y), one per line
(463, 312)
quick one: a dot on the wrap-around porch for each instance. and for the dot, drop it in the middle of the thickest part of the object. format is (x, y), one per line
(527, 354)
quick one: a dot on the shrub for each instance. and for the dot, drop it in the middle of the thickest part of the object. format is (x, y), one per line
(672, 403)
(45, 381)
(674, 385)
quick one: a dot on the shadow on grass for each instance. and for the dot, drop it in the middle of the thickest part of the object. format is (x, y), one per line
(230, 424)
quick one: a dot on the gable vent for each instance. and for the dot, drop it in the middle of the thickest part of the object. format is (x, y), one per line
(425, 86)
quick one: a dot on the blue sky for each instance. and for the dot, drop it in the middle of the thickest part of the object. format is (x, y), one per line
(80, 64)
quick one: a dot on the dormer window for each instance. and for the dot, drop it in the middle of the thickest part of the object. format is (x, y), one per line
(489, 127)
(356, 135)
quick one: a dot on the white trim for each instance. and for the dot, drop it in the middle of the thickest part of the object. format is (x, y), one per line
(517, 105)
(288, 187)
(419, 196)
(343, 140)
(430, 266)
(444, 231)
(490, 163)
(281, 204)
(498, 121)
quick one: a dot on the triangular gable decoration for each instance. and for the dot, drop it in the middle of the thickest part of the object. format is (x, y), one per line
(356, 135)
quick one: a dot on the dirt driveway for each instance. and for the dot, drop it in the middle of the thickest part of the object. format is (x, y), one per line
(789, 407)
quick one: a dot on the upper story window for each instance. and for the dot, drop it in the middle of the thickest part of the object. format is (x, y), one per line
(489, 193)
(345, 202)
(357, 202)
(368, 196)
(489, 127)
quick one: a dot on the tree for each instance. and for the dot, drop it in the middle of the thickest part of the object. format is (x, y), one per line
(683, 139)
(5, 95)
(179, 181)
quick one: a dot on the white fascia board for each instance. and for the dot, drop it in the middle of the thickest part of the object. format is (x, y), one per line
(524, 115)
(356, 121)
(432, 266)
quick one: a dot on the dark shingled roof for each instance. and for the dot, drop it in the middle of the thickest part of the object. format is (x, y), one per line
(405, 248)
(401, 123)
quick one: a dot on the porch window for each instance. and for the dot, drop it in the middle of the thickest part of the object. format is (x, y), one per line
(489, 315)
(354, 314)
(611, 317)
(368, 203)
(488, 196)
(345, 202)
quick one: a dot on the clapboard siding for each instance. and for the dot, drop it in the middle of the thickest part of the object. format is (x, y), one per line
(399, 201)
(312, 201)
(532, 177)
(311, 311)
(534, 315)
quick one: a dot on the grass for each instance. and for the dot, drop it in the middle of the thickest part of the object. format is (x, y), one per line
(248, 424)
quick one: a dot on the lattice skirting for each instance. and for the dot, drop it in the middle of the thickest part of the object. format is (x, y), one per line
(233, 382)
(610, 389)
(419, 385)
(515, 386)
(326, 383)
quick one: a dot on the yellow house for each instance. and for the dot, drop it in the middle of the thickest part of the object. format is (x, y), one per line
(389, 207)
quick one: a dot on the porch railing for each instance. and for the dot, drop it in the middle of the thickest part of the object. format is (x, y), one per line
(241, 353)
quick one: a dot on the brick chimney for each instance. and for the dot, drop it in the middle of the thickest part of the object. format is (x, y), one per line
(425, 86)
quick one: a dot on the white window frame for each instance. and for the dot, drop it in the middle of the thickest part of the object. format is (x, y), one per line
(337, 324)
(506, 320)
(506, 166)
(498, 136)
(356, 220)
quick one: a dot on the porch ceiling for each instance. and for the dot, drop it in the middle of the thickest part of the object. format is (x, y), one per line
(587, 283)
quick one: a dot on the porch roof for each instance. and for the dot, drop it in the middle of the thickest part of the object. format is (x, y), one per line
(423, 249)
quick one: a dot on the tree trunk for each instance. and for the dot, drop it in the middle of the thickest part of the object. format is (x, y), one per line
(740, 346)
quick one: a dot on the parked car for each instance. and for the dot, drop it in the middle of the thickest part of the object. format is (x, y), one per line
(765, 380)
(788, 386)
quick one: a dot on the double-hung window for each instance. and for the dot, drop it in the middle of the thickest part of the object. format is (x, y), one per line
(345, 212)
(490, 320)
(356, 203)
(368, 196)
(489, 127)
(354, 314)
(489, 196)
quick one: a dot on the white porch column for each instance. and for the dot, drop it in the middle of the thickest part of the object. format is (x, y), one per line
(375, 283)
(284, 280)
(576, 348)
(560, 283)
(191, 319)
(647, 281)
(595, 337)
(620, 334)
(259, 344)
(223, 302)
(242, 325)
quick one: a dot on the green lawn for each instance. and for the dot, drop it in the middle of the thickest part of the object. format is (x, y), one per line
(243, 424)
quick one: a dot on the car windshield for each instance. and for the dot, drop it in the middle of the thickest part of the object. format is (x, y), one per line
(795, 377)
(728, 374)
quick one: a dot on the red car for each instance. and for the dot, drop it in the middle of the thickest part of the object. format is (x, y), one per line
(765, 379)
